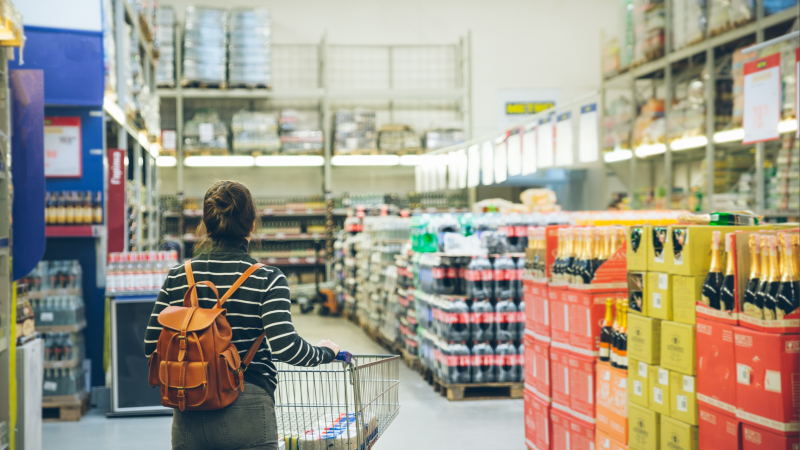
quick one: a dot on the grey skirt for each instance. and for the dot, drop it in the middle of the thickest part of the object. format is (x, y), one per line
(247, 424)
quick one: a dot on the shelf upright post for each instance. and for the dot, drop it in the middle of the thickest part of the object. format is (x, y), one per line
(710, 115)
(760, 184)
(8, 387)
(633, 177)
(327, 154)
(138, 159)
(179, 122)
(668, 102)
(148, 181)
(122, 133)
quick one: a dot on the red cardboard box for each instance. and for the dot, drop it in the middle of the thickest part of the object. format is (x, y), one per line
(612, 401)
(754, 438)
(611, 276)
(541, 370)
(541, 311)
(551, 241)
(581, 436)
(561, 427)
(581, 389)
(540, 421)
(717, 430)
(531, 429)
(559, 379)
(605, 442)
(767, 379)
(587, 312)
(529, 374)
(530, 302)
(716, 365)
(559, 317)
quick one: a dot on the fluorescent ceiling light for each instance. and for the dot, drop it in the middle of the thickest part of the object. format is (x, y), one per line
(290, 161)
(166, 161)
(734, 135)
(617, 155)
(687, 143)
(365, 160)
(409, 160)
(643, 151)
(787, 126)
(219, 161)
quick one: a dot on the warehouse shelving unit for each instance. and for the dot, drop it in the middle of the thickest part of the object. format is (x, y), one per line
(709, 57)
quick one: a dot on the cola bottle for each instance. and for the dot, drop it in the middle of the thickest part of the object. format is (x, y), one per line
(459, 320)
(426, 274)
(505, 362)
(483, 363)
(448, 284)
(459, 361)
(517, 279)
(509, 228)
(463, 281)
(482, 326)
(504, 269)
(505, 321)
(475, 286)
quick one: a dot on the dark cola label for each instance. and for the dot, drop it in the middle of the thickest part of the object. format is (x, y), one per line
(438, 273)
(487, 275)
(462, 273)
(483, 360)
(504, 275)
(461, 318)
(472, 275)
(517, 273)
(458, 361)
(501, 317)
(486, 317)
(451, 272)
(505, 360)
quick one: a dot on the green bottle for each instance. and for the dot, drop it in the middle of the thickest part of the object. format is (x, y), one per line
(721, 218)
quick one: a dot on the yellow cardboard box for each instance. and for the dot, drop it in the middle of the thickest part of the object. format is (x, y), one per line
(683, 398)
(686, 291)
(678, 347)
(637, 238)
(676, 435)
(659, 390)
(659, 259)
(644, 339)
(658, 292)
(690, 247)
(643, 428)
(638, 383)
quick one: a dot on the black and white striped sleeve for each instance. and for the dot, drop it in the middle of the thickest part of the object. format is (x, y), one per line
(153, 327)
(281, 336)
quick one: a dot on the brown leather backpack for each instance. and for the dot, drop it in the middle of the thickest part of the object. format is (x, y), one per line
(195, 364)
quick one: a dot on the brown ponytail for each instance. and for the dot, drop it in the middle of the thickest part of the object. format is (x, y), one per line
(229, 212)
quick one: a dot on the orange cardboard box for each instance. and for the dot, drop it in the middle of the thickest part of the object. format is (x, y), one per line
(586, 314)
(612, 401)
(604, 441)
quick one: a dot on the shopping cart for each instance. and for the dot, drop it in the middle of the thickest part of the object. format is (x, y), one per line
(345, 405)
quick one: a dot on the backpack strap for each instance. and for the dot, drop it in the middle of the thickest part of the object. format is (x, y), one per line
(190, 281)
(238, 283)
(251, 353)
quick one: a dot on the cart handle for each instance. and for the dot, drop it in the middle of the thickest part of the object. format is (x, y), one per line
(344, 356)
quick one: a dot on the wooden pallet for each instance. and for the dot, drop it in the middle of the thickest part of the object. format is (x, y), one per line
(482, 391)
(207, 152)
(411, 361)
(415, 151)
(204, 85)
(357, 152)
(249, 86)
(65, 408)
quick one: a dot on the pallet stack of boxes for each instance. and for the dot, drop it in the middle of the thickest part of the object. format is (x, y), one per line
(572, 401)
(697, 380)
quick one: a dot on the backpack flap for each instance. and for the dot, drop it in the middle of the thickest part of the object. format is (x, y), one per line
(184, 382)
(173, 316)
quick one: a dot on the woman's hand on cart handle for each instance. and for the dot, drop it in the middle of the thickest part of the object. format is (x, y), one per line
(330, 345)
(344, 356)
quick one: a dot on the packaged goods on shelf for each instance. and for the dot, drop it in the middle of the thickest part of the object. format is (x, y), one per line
(59, 382)
(688, 22)
(250, 60)
(255, 131)
(618, 124)
(63, 349)
(649, 23)
(783, 179)
(354, 130)
(724, 15)
(205, 132)
(443, 137)
(109, 47)
(393, 138)
(26, 317)
(611, 57)
(138, 271)
(687, 118)
(73, 208)
(626, 33)
(205, 45)
(300, 133)
(165, 42)
(649, 126)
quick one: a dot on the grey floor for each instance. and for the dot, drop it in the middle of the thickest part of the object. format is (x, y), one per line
(426, 420)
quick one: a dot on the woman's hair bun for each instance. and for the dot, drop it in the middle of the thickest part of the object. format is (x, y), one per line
(228, 210)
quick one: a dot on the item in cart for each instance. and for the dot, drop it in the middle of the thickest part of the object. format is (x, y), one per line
(713, 283)
(727, 298)
(787, 300)
(483, 367)
(749, 301)
(606, 332)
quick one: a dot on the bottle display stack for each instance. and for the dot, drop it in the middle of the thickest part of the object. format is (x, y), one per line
(138, 273)
(57, 306)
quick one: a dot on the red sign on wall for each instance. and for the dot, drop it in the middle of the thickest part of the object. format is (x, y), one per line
(115, 200)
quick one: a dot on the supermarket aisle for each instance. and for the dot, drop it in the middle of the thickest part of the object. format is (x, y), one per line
(426, 421)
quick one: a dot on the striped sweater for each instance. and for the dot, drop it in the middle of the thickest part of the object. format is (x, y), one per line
(260, 304)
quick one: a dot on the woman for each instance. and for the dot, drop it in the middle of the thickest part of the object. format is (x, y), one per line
(260, 304)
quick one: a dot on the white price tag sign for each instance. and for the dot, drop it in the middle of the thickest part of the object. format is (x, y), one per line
(529, 152)
(663, 377)
(50, 386)
(564, 147)
(587, 137)
(500, 162)
(762, 99)
(688, 383)
(62, 147)
(658, 395)
(515, 153)
(637, 388)
(663, 281)
(656, 300)
(683, 404)
(46, 317)
(473, 166)
(544, 144)
(206, 132)
(642, 370)
(487, 163)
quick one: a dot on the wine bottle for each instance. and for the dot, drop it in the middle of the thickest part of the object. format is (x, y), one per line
(749, 306)
(569, 254)
(615, 334)
(720, 218)
(605, 333)
(636, 238)
(788, 298)
(727, 298)
(61, 209)
(70, 208)
(713, 283)
(87, 208)
(97, 208)
(773, 280)
(622, 344)
(604, 245)
(558, 263)
(763, 282)
(577, 261)
(595, 253)
(47, 208)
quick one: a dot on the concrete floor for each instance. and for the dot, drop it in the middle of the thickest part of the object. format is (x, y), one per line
(426, 420)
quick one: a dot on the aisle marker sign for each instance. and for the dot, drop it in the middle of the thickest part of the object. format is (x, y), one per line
(500, 161)
(544, 141)
(564, 147)
(474, 166)
(515, 152)
(587, 137)
(762, 99)
(529, 152)
(487, 163)
(62, 147)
